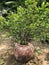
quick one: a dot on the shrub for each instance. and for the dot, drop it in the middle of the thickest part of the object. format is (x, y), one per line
(39, 17)
(30, 23)
(19, 27)
(2, 23)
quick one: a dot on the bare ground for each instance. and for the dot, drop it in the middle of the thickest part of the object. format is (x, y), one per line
(7, 57)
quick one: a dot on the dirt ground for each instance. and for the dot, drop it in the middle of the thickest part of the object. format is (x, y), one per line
(7, 58)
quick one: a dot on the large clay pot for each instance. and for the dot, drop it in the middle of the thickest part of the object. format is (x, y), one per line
(23, 53)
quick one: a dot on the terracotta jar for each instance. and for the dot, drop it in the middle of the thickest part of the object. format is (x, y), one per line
(23, 53)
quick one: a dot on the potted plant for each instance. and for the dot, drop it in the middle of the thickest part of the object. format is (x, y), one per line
(19, 28)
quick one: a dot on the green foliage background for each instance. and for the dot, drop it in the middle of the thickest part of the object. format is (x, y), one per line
(27, 20)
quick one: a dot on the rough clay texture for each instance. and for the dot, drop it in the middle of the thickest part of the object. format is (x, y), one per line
(23, 52)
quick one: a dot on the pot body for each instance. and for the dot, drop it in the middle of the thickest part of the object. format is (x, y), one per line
(23, 53)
